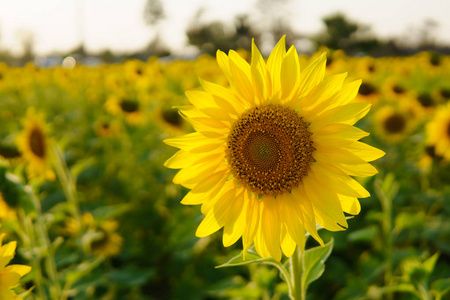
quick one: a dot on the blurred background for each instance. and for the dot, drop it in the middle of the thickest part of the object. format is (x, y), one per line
(110, 31)
(87, 90)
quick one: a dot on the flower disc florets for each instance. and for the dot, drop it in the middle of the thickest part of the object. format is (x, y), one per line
(270, 149)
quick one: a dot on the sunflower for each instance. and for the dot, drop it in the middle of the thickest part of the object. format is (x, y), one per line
(6, 212)
(272, 154)
(33, 143)
(9, 275)
(438, 131)
(101, 238)
(130, 108)
(393, 124)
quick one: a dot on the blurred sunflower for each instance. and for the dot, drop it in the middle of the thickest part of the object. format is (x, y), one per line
(368, 93)
(101, 237)
(33, 143)
(438, 131)
(107, 128)
(392, 124)
(130, 108)
(9, 152)
(9, 275)
(273, 154)
(6, 212)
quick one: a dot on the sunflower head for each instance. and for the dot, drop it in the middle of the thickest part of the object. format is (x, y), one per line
(438, 132)
(10, 275)
(394, 124)
(128, 107)
(273, 153)
(33, 144)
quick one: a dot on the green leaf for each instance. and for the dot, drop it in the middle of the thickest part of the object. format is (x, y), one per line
(367, 234)
(430, 263)
(440, 287)
(131, 275)
(250, 257)
(315, 263)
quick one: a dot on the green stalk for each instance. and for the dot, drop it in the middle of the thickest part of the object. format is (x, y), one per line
(50, 265)
(29, 243)
(298, 267)
(68, 184)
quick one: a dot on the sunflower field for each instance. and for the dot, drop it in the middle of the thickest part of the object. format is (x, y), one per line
(88, 209)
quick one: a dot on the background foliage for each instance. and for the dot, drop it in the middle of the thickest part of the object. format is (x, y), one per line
(111, 226)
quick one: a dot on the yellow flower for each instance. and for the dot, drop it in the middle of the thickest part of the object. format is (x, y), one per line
(394, 124)
(34, 146)
(6, 212)
(273, 152)
(9, 275)
(130, 108)
(438, 131)
(106, 241)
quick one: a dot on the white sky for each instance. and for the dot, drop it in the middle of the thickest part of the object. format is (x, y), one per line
(59, 25)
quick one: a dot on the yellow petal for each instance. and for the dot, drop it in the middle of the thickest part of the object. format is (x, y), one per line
(335, 155)
(200, 99)
(195, 142)
(293, 219)
(271, 227)
(364, 151)
(360, 170)
(288, 245)
(224, 98)
(312, 75)
(19, 269)
(320, 98)
(305, 212)
(195, 174)
(224, 65)
(337, 135)
(240, 70)
(347, 93)
(327, 208)
(350, 205)
(258, 74)
(183, 159)
(274, 63)
(215, 219)
(290, 75)
(346, 114)
(338, 181)
(251, 221)
(235, 225)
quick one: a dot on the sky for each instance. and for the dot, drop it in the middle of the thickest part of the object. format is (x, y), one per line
(60, 25)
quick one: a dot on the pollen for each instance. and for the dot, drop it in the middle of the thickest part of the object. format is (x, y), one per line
(269, 149)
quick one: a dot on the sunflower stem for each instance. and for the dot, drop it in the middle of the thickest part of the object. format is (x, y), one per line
(50, 265)
(68, 184)
(298, 267)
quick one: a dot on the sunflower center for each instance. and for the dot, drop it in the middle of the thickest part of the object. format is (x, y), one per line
(398, 89)
(129, 106)
(270, 149)
(395, 123)
(425, 100)
(366, 89)
(445, 93)
(37, 143)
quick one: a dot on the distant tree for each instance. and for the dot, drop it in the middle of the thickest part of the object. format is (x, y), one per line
(274, 20)
(27, 41)
(153, 12)
(347, 35)
(208, 37)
